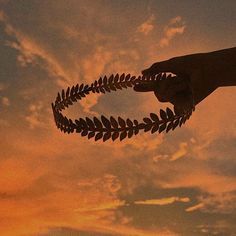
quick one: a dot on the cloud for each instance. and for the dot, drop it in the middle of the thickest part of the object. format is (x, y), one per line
(195, 207)
(5, 101)
(4, 123)
(181, 152)
(81, 184)
(224, 203)
(163, 201)
(31, 52)
(147, 26)
(35, 113)
(2, 86)
(175, 26)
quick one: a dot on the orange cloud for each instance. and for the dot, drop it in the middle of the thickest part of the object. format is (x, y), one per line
(182, 151)
(195, 207)
(163, 201)
(147, 26)
(5, 101)
(175, 26)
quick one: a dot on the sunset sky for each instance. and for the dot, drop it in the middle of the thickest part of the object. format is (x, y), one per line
(54, 184)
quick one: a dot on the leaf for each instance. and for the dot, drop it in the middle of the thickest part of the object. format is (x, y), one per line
(90, 123)
(98, 136)
(73, 99)
(107, 88)
(78, 96)
(106, 136)
(105, 80)
(162, 127)
(116, 78)
(169, 127)
(63, 94)
(81, 87)
(102, 90)
(76, 88)
(158, 77)
(127, 77)
(84, 132)
(78, 129)
(105, 122)
(86, 87)
(163, 77)
(115, 135)
(147, 127)
(154, 117)
(136, 131)
(114, 123)
(122, 77)
(175, 124)
(118, 86)
(97, 122)
(155, 128)
(58, 97)
(182, 120)
(163, 115)
(83, 123)
(152, 78)
(100, 81)
(72, 90)
(110, 80)
(136, 122)
(130, 133)
(121, 122)
(147, 120)
(133, 80)
(169, 113)
(123, 135)
(129, 123)
(91, 134)
(112, 87)
(67, 92)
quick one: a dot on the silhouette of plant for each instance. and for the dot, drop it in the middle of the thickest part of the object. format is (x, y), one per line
(111, 128)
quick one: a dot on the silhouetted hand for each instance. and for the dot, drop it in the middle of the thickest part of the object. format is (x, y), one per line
(192, 84)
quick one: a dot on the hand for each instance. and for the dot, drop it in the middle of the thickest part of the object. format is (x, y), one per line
(192, 83)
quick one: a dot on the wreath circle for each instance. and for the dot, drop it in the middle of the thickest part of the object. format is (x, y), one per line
(105, 128)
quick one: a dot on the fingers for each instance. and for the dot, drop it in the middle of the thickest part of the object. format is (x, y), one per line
(158, 67)
(169, 87)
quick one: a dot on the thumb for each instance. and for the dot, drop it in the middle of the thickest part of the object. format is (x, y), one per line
(145, 86)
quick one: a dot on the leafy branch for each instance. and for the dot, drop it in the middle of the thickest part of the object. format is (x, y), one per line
(111, 128)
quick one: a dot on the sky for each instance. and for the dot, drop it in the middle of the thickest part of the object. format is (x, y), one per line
(54, 184)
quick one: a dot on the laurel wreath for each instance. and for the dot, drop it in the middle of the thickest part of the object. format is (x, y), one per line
(111, 128)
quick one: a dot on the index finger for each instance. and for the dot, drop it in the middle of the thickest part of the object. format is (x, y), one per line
(158, 67)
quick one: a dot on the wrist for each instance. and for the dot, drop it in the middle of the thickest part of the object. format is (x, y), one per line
(221, 67)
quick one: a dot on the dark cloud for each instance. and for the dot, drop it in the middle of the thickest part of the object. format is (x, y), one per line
(62, 231)
(174, 216)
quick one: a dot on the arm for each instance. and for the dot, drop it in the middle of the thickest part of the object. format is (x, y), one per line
(222, 66)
